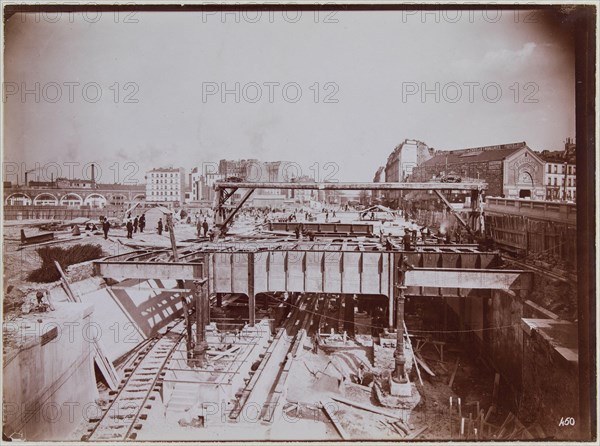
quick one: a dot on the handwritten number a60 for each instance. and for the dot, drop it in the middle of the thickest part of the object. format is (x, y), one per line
(568, 421)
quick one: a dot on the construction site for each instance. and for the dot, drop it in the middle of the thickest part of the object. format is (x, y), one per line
(286, 328)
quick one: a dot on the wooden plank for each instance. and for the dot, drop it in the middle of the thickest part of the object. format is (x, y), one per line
(491, 410)
(423, 364)
(219, 355)
(403, 426)
(398, 429)
(417, 433)
(496, 388)
(453, 373)
(65, 282)
(509, 418)
(331, 414)
(413, 352)
(106, 366)
(368, 408)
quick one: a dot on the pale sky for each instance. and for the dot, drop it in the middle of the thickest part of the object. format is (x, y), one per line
(376, 64)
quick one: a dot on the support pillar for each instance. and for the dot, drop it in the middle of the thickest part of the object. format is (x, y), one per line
(251, 295)
(202, 309)
(349, 314)
(445, 304)
(462, 311)
(219, 300)
(399, 375)
(218, 218)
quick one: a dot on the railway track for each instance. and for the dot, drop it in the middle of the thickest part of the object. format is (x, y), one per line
(266, 387)
(130, 403)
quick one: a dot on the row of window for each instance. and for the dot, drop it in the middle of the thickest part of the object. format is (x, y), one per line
(557, 195)
(164, 186)
(553, 168)
(570, 183)
(166, 181)
(164, 175)
(166, 192)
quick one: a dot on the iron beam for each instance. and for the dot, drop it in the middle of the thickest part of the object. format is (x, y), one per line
(495, 279)
(223, 226)
(202, 308)
(149, 270)
(354, 186)
(451, 209)
(399, 374)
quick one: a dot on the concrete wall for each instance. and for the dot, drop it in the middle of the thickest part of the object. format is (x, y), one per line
(48, 375)
(550, 380)
(504, 343)
(536, 358)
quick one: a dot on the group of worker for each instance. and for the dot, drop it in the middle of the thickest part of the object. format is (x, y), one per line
(202, 227)
(135, 223)
(411, 236)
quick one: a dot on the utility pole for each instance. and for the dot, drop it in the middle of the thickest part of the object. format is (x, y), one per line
(172, 237)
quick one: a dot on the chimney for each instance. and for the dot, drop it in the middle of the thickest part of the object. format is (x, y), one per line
(93, 174)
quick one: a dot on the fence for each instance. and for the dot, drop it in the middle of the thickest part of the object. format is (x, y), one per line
(59, 212)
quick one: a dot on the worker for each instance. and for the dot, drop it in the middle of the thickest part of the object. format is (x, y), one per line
(407, 240)
(160, 226)
(199, 228)
(129, 228)
(403, 267)
(205, 227)
(76, 230)
(40, 297)
(448, 240)
(388, 243)
(297, 231)
(142, 222)
(105, 228)
(440, 238)
(136, 222)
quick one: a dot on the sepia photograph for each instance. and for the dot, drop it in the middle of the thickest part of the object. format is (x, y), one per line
(299, 222)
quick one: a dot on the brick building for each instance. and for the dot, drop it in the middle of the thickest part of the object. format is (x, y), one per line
(510, 170)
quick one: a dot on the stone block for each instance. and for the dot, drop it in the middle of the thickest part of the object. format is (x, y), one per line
(400, 389)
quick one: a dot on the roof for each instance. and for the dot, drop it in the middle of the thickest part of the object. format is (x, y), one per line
(556, 156)
(377, 208)
(475, 155)
(166, 169)
(162, 209)
(122, 187)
